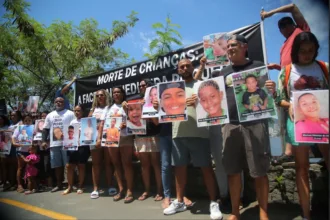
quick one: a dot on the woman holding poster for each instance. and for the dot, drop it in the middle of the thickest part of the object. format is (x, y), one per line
(305, 73)
(120, 157)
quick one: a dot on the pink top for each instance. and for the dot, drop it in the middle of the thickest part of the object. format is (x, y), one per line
(286, 47)
(31, 170)
(312, 130)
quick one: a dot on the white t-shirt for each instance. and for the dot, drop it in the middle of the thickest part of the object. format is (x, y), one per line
(300, 73)
(115, 111)
(97, 113)
(57, 119)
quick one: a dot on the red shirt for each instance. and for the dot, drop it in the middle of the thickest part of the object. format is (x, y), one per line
(286, 47)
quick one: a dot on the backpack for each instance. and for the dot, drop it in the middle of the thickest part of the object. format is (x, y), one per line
(288, 72)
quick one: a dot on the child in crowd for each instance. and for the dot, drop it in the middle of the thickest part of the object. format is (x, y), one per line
(31, 171)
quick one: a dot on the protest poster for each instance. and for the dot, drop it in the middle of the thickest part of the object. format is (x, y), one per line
(25, 135)
(32, 104)
(56, 135)
(21, 106)
(71, 137)
(5, 142)
(3, 107)
(88, 131)
(135, 124)
(252, 98)
(38, 127)
(211, 108)
(215, 49)
(172, 102)
(311, 121)
(148, 109)
(111, 132)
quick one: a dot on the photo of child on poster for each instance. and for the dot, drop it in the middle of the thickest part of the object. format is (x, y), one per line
(88, 131)
(32, 104)
(172, 101)
(212, 106)
(71, 137)
(215, 49)
(5, 142)
(111, 132)
(39, 125)
(311, 121)
(25, 135)
(135, 124)
(148, 109)
(252, 99)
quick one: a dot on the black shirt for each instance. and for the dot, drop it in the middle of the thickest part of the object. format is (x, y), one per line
(259, 92)
(232, 108)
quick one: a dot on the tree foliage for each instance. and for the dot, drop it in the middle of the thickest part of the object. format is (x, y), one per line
(167, 36)
(37, 60)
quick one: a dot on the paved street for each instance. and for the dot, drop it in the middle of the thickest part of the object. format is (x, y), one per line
(55, 206)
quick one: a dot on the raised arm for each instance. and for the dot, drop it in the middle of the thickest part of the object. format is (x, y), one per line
(66, 88)
(199, 72)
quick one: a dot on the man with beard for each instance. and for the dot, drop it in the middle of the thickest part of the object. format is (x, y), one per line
(244, 144)
(191, 143)
(59, 118)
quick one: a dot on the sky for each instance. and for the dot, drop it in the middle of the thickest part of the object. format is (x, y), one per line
(196, 18)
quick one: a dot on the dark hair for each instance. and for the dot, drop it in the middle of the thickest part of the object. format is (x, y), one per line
(304, 95)
(18, 114)
(121, 90)
(285, 21)
(148, 82)
(303, 37)
(204, 84)
(71, 127)
(46, 112)
(5, 119)
(27, 115)
(251, 76)
(82, 110)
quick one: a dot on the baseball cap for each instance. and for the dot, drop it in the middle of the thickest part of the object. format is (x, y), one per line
(238, 37)
(163, 87)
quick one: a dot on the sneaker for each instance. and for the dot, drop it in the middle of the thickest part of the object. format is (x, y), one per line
(215, 212)
(175, 207)
(55, 189)
(283, 159)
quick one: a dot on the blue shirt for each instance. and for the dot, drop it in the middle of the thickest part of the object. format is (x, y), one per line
(66, 100)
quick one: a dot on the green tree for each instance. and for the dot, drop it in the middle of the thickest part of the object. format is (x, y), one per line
(37, 60)
(167, 36)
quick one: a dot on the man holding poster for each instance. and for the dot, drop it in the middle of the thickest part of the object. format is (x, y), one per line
(244, 142)
(54, 123)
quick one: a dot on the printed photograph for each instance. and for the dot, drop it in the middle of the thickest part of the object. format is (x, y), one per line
(88, 131)
(212, 106)
(70, 137)
(111, 132)
(38, 126)
(252, 98)
(311, 121)
(149, 97)
(172, 102)
(135, 124)
(215, 49)
(5, 142)
(32, 104)
(25, 135)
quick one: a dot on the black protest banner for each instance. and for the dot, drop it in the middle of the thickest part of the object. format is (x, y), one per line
(163, 70)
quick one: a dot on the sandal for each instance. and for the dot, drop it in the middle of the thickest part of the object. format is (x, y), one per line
(158, 198)
(20, 189)
(80, 191)
(95, 195)
(66, 192)
(128, 199)
(118, 197)
(144, 196)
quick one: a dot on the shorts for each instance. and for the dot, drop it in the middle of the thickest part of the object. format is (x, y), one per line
(58, 157)
(79, 156)
(12, 152)
(146, 144)
(290, 137)
(191, 149)
(126, 141)
(246, 146)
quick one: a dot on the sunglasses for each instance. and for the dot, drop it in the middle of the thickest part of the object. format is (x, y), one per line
(142, 85)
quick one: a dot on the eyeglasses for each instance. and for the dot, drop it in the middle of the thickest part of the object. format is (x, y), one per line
(142, 85)
(99, 95)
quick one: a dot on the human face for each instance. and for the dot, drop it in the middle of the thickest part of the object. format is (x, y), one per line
(153, 94)
(210, 99)
(185, 69)
(100, 96)
(173, 101)
(24, 132)
(27, 120)
(43, 115)
(113, 122)
(134, 113)
(236, 50)
(143, 87)
(59, 104)
(117, 96)
(220, 47)
(309, 106)
(287, 30)
(40, 125)
(58, 133)
(13, 117)
(251, 84)
(78, 112)
(32, 150)
(306, 53)
(71, 133)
